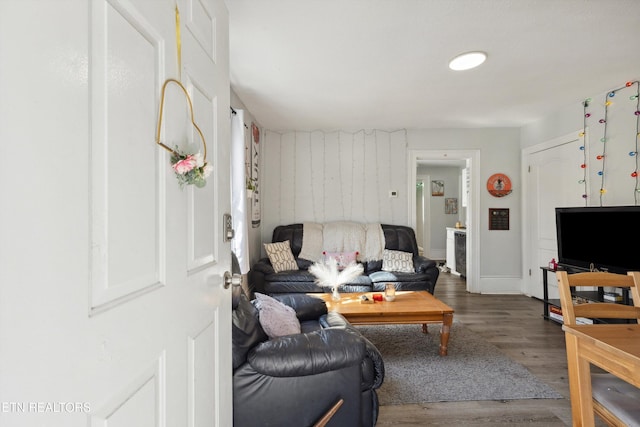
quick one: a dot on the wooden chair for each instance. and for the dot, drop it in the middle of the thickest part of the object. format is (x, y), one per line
(614, 400)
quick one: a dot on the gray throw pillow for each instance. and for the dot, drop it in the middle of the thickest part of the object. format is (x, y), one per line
(276, 318)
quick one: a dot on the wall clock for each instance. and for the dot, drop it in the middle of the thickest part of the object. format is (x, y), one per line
(499, 185)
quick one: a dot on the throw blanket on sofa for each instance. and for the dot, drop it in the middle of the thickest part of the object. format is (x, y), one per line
(311, 241)
(375, 242)
(342, 236)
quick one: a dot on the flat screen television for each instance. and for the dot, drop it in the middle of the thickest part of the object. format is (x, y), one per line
(603, 238)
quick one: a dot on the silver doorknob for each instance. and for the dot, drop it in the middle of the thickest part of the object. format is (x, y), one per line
(232, 279)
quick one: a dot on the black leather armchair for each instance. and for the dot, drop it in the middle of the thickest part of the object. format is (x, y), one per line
(296, 379)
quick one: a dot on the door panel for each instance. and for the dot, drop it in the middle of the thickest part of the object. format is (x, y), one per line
(201, 201)
(141, 402)
(123, 39)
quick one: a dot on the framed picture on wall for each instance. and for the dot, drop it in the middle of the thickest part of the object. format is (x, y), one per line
(450, 205)
(437, 188)
(498, 219)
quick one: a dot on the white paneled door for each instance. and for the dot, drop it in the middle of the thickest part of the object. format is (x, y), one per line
(113, 310)
(552, 179)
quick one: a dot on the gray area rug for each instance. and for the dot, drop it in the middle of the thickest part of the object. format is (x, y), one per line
(473, 370)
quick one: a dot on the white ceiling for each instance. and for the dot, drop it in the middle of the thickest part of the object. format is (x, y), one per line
(382, 64)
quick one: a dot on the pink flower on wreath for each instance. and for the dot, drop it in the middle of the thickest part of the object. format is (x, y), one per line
(185, 165)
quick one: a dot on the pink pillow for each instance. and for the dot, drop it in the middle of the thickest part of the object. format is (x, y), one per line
(342, 258)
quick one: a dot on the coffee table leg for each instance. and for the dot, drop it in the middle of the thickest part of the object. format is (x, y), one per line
(424, 328)
(447, 320)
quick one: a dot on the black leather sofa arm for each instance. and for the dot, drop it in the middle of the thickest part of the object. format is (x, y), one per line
(372, 365)
(423, 264)
(263, 266)
(307, 354)
(307, 307)
(257, 274)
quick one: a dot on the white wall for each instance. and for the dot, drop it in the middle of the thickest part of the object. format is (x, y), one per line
(331, 176)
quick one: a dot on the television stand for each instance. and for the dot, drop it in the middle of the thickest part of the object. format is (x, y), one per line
(551, 307)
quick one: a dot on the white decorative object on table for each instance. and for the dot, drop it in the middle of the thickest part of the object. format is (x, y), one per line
(329, 276)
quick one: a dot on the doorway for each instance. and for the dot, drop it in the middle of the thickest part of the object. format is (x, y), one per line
(471, 159)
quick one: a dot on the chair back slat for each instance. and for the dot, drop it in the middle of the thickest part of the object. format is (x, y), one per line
(600, 278)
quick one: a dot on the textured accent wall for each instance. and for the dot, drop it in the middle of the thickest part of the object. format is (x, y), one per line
(333, 176)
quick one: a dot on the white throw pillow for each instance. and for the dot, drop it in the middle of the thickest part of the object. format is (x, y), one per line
(280, 255)
(276, 318)
(397, 261)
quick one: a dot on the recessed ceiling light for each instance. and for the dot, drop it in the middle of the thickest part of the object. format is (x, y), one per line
(467, 61)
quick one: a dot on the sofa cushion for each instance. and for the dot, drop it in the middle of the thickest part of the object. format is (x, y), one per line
(396, 277)
(400, 238)
(303, 281)
(291, 276)
(307, 326)
(293, 233)
(280, 256)
(277, 287)
(401, 281)
(246, 330)
(276, 318)
(397, 261)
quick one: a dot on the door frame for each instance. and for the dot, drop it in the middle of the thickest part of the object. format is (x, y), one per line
(426, 212)
(472, 157)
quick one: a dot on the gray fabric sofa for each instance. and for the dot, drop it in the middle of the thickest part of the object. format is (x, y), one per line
(264, 279)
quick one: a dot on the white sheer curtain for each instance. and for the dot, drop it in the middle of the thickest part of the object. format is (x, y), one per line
(240, 242)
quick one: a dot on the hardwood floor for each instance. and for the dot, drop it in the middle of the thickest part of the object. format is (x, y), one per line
(514, 324)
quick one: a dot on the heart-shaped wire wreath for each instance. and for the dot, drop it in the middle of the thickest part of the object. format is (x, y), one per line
(190, 169)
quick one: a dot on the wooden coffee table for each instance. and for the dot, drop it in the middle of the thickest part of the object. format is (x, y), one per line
(419, 307)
